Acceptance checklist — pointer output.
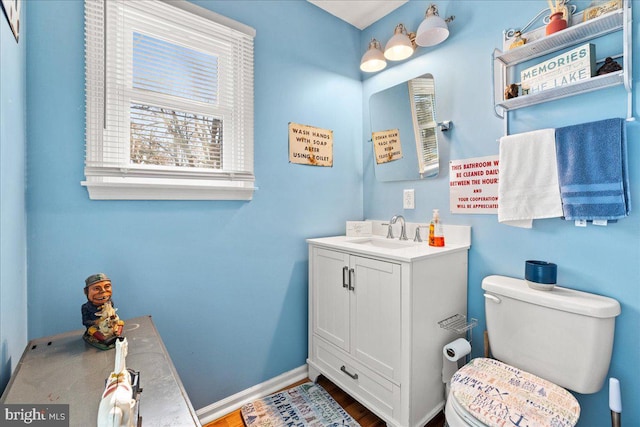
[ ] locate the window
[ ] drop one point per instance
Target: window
(169, 102)
(423, 92)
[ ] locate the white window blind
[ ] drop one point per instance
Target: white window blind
(169, 102)
(422, 93)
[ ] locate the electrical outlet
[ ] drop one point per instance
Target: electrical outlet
(408, 199)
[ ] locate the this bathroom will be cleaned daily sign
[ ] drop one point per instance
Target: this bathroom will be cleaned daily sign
(473, 185)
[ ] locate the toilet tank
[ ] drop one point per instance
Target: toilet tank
(562, 335)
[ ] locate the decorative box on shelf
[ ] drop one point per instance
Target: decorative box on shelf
(570, 67)
(600, 9)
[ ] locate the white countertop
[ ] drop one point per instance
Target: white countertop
(395, 249)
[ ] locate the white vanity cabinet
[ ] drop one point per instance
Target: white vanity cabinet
(364, 322)
(373, 322)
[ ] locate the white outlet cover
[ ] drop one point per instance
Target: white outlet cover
(408, 200)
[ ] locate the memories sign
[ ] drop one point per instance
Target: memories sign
(570, 67)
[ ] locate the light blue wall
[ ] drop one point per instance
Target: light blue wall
(602, 260)
(225, 282)
(13, 218)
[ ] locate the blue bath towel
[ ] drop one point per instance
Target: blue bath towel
(592, 170)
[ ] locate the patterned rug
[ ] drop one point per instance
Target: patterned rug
(305, 405)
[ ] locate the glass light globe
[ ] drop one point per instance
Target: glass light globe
(373, 59)
(399, 46)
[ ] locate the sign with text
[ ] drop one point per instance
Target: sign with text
(573, 66)
(473, 185)
(386, 145)
(310, 145)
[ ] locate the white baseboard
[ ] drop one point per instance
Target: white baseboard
(225, 406)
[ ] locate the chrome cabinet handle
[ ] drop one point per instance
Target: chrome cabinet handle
(344, 277)
(344, 369)
(352, 279)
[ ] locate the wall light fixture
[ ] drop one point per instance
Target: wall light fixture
(373, 59)
(432, 31)
(399, 46)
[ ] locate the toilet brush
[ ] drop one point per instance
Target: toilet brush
(615, 401)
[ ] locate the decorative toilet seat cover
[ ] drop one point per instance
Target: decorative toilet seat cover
(498, 394)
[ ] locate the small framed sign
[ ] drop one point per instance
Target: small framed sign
(386, 145)
(473, 185)
(310, 145)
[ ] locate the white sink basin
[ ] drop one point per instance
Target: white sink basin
(384, 243)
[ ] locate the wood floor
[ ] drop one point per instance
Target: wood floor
(361, 414)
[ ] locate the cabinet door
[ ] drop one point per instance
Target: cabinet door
(376, 322)
(331, 297)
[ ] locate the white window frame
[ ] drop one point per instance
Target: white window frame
(426, 132)
(108, 103)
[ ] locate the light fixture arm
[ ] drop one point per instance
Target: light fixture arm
(374, 44)
(401, 29)
(432, 10)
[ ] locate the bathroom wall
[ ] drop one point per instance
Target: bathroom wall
(13, 219)
(225, 282)
(602, 260)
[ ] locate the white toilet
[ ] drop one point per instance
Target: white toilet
(542, 341)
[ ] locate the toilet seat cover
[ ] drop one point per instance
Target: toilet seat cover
(498, 394)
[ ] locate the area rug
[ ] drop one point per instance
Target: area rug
(305, 405)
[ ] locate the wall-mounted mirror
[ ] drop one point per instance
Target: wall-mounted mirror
(403, 131)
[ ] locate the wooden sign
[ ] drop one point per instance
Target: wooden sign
(570, 67)
(473, 185)
(386, 145)
(600, 9)
(310, 145)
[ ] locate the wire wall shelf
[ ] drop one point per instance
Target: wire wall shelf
(458, 323)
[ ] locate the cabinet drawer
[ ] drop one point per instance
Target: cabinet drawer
(372, 390)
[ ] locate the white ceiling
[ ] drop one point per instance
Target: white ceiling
(359, 13)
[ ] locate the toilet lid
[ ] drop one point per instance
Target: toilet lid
(498, 394)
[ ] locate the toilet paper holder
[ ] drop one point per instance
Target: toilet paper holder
(458, 323)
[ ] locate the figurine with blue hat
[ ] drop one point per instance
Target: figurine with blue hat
(98, 314)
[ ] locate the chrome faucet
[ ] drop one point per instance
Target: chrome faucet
(403, 229)
(389, 231)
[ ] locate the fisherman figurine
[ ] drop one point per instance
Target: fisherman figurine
(98, 314)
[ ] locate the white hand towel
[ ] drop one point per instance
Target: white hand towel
(528, 178)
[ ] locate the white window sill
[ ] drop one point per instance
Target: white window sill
(169, 191)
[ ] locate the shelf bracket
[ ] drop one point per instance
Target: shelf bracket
(627, 52)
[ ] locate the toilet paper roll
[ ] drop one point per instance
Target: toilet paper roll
(457, 349)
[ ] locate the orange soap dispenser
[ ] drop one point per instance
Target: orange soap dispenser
(436, 234)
